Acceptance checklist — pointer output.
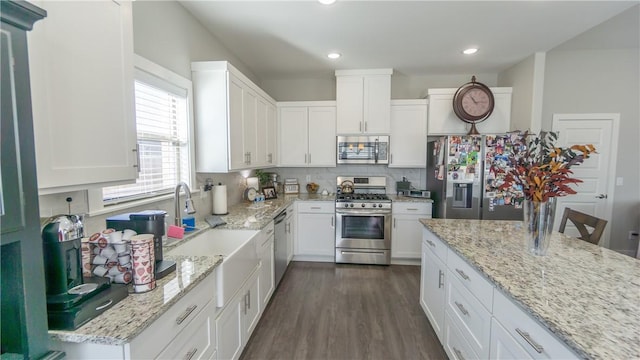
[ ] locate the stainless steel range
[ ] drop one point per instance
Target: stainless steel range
(363, 220)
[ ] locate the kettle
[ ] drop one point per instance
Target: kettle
(346, 187)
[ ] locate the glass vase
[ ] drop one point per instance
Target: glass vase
(538, 224)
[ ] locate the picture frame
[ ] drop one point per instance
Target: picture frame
(269, 192)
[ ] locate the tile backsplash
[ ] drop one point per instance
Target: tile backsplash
(236, 184)
(326, 177)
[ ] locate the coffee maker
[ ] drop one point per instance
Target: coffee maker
(72, 300)
(147, 222)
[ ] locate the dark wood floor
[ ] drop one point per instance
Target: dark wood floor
(329, 311)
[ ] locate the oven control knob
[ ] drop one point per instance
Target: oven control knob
(380, 205)
(363, 205)
(351, 205)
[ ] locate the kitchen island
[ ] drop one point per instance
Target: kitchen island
(586, 295)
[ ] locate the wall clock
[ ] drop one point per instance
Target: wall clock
(473, 102)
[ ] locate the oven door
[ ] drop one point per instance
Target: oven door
(363, 229)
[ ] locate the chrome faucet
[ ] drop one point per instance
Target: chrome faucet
(188, 206)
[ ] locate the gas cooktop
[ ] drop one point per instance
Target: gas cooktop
(362, 197)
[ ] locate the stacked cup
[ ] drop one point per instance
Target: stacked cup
(106, 254)
(143, 258)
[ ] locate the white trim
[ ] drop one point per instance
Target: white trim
(613, 157)
(537, 91)
(95, 204)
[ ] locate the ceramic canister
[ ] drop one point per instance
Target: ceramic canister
(143, 263)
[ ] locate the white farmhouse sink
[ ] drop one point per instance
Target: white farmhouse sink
(240, 257)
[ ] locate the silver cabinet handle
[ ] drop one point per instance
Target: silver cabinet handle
(440, 279)
(602, 196)
(464, 276)
(309, 158)
(186, 314)
(360, 126)
(394, 222)
(458, 353)
(412, 209)
(430, 243)
(316, 208)
(305, 158)
(137, 151)
(190, 354)
(390, 158)
(525, 335)
(270, 158)
(365, 126)
(332, 221)
(270, 231)
(245, 303)
(249, 298)
(462, 309)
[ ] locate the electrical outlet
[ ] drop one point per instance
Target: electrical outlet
(308, 178)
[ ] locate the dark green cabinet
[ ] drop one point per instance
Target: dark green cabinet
(23, 295)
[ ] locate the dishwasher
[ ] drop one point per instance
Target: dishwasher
(280, 246)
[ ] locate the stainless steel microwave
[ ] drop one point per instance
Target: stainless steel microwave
(363, 149)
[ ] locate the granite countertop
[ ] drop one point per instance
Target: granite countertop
(587, 295)
(123, 322)
(118, 325)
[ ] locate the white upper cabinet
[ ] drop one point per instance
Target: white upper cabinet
(307, 134)
(232, 117)
(408, 140)
(443, 121)
(81, 67)
(363, 101)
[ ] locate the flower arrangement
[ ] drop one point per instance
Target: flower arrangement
(541, 169)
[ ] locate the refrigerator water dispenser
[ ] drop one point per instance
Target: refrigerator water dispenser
(462, 195)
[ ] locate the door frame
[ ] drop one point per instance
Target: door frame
(614, 118)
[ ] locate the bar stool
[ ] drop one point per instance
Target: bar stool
(581, 221)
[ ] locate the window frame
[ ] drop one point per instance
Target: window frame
(95, 201)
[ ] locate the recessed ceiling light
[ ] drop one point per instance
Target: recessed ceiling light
(333, 55)
(470, 51)
(326, 2)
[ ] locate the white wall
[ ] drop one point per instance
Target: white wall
(598, 72)
(527, 79)
(167, 34)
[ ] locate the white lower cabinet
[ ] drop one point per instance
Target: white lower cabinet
(267, 275)
(537, 341)
(474, 319)
(503, 345)
(315, 237)
(456, 344)
(195, 342)
(406, 232)
(238, 320)
(289, 229)
(432, 288)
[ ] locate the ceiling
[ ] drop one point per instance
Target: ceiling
(290, 39)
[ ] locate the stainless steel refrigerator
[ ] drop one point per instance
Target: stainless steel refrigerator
(461, 180)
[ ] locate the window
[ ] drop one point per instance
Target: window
(162, 123)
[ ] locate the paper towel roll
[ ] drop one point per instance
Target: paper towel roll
(220, 199)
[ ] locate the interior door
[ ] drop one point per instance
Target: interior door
(595, 193)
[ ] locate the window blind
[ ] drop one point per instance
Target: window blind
(163, 142)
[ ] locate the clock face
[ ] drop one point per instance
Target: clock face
(476, 102)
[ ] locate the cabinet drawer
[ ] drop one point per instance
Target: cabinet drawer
(455, 344)
(435, 244)
(317, 207)
(477, 284)
(472, 319)
(529, 333)
(194, 342)
(420, 208)
(176, 318)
